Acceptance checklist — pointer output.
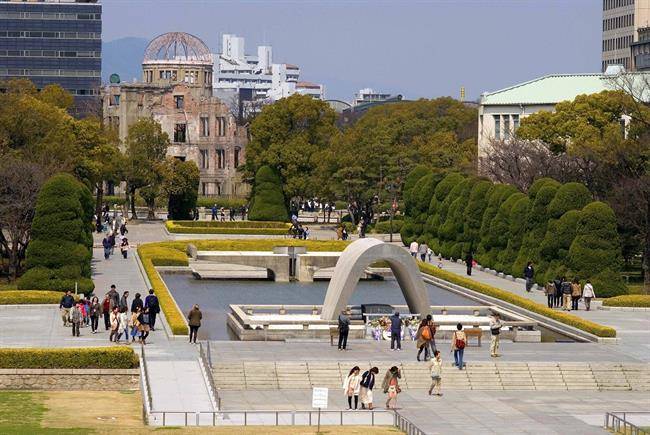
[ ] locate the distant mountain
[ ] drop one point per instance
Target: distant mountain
(124, 57)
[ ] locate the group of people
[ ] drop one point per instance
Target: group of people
(297, 231)
(219, 213)
(116, 238)
(420, 250)
(562, 293)
(341, 233)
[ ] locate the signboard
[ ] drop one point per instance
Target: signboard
(319, 398)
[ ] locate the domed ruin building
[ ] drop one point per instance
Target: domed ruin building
(176, 91)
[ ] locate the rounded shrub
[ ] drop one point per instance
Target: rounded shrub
(473, 213)
(538, 184)
(608, 284)
(569, 196)
(559, 236)
(442, 190)
(516, 233)
(268, 203)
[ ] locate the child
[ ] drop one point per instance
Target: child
(436, 373)
(440, 262)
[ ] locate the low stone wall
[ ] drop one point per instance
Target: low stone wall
(69, 379)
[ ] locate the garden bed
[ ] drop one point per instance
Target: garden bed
(69, 358)
(637, 301)
(235, 227)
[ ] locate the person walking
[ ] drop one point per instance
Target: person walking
(413, 249)
(352, 386)
(124, 248)
(114, 297)
(214, 212)
(134, 324)
(557, 297)
(588, 294)
(75, 317)
(65, 305)
(194, 321)
(391, 387)
(566, 294)
(469, 262)
(124, 305)
(115, 324)
(339, 232)
(137, 303)
(495, 331)
(152, 304)
(435, 367)
(106, 311)
(367, 384)
(529, 274)
(123, 327)
(433, 329)
(458, 343)
(143, 325)
(422, 251)
(123, 229)
(106, 244)
(576, 293)
(395, 332)
(95, 313)
(111, 241)
(549, 291)
(422, 338)
(124, 301)
(344, 329)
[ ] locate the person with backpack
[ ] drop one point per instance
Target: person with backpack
(65, 305)
(344, 329)
(495, 331)
(367, 384)
(436, 373)
(152, 304)
(422, 338)
(458, 343)
(352, 387)
(588, 294)
(143, 325)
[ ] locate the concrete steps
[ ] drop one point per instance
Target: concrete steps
(509, 376)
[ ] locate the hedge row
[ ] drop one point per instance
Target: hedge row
(642, 301)
(180, 228)
(568, 319)
(29, 297)
(231, 224)
(69, 358)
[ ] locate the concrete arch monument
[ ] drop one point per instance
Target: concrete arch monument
(351, 265)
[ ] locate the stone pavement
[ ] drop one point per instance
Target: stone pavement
(472, 412)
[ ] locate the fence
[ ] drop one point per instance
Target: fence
(206, 367)
(147, 404)
(618, 422)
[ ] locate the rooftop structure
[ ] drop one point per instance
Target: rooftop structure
(621, 20)
(640, 50)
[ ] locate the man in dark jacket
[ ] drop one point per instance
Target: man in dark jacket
(124, 300)
(557, 298)
(151, 302)
(114, 297)
(67, 301)
(566, 294)
(469, 262)
(137, 303)
(529, 274)
(344, 329)
(367, 384)
(395, 331)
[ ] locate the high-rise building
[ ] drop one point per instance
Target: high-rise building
(641, 50)
(54, 41)
(621, 21)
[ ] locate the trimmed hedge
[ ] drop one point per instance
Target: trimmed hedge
(384, 227)
(233, 224)
(238, 227)
(268, 203)
(642, 301)
(568, 319)
(29, 297)
(208, 202)
(69, 358)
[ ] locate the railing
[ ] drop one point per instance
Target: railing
(147, 403)
(618, 423)
(207, 369)
(406, 425)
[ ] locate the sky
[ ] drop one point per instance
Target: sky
(420, 49)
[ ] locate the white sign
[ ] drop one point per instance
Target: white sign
(319, 398)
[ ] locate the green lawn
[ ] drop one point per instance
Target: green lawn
(22, 413)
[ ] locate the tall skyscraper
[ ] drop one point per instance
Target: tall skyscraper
(54, 41)
(621, 21)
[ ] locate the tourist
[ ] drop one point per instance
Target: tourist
(344, 234)
(429, 254)
(432, 328)
(95, 312)
(106, 244)
(422, 251)
(395, 332)
(367, 384)
(124, 301)
(566, 294)
(588, 294)
(111, 240)
(123, 229)
(76, 316)
(458, 343)
(469, 262)
(344, 329)
(106, 311)
(134, 324)
(549, 291)
(143, 325)
(439, 262)
(152, 304)
(231, 214)
(222, 213)
(529, 275)
(123, 326)
(413, 249)
(557, 298)
(339, 232)
(194, 321)
(124, 248)
(66, 304)
(305, 233)
(435, 366)
(86, 311)
(214, 212)
(495, 330)
(576, 293)
(137, 303)
(114, 297)
(422, 338)
(115, 324)
(352, 386)
(391, 387)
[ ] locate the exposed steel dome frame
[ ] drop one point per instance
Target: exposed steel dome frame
(177, 46)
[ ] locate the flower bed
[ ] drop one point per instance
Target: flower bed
(69, 358)
(642, 301)
(568, 319)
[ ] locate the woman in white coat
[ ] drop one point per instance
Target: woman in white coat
(352, 386)
(588, 294)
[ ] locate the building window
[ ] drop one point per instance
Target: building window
(179, 101)
(179, 132)
(205, 126)
(515, 123)
(221, 126)
(205, 159)
(506, 127)
(204, 188)
(221, 159)
(497, 126)
(237, 152)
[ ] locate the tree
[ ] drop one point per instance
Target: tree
(473, 214)
(268, 202)
(451, 230)
(486, 255)
(554, 249)
(56, 96)
(181, 186)
(146, 149)
(435, 219)
(517, 220)
(499, 232)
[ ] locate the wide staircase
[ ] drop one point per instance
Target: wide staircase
(250, 375)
